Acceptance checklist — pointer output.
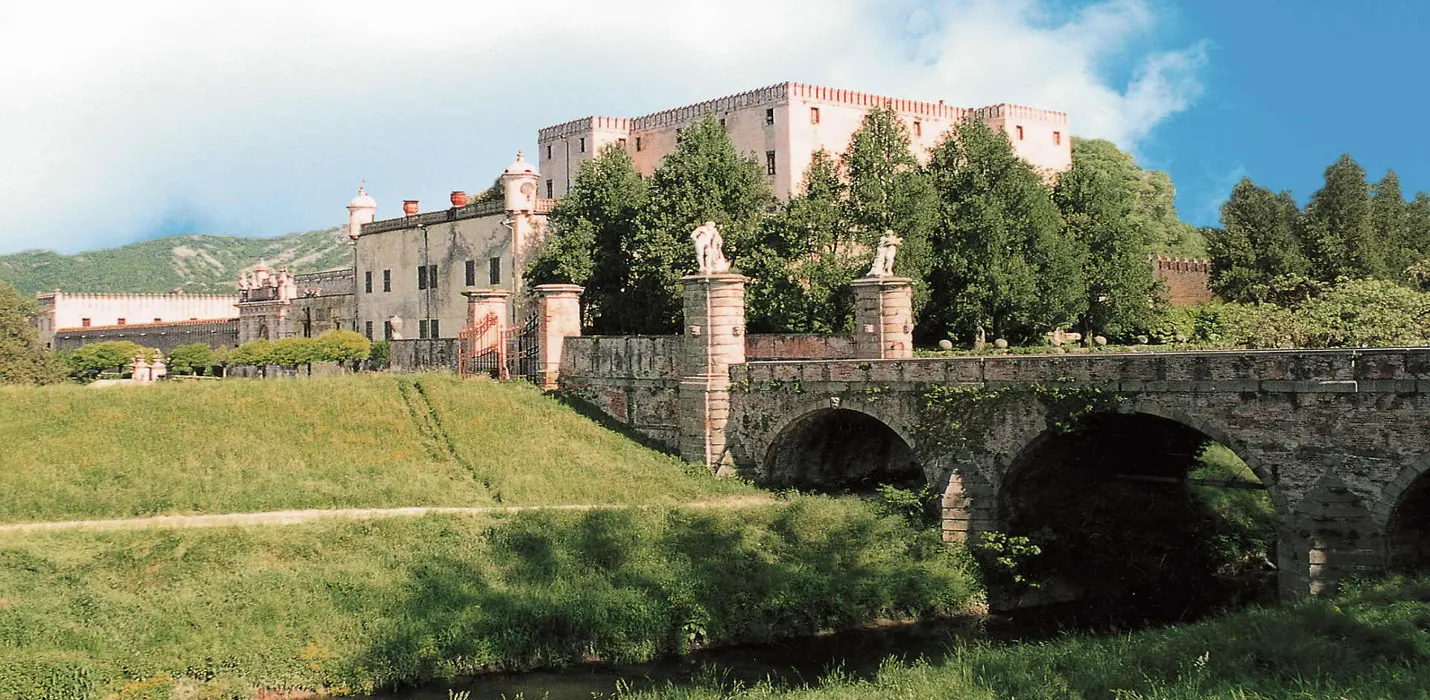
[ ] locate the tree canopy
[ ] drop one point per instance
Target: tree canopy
(22, 359)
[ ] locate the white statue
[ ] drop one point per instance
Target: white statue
(708, 254)
(884, 257)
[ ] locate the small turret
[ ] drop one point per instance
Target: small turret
(361, 210)
(519, 186)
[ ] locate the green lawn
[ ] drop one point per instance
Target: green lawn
(363, 441)
(353, 605)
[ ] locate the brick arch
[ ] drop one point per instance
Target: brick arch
(1390, 496)
(799, 417)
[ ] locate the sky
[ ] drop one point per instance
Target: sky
(121, 122)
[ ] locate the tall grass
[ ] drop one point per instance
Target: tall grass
(352, 606)
(1371, 643)
(233, 446)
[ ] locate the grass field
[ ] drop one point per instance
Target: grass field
(356, 605)
(363, 441)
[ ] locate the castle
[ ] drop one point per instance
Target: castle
(413, 276)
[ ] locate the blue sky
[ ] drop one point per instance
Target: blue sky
(126, 121)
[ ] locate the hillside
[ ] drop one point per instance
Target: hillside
(195, 263)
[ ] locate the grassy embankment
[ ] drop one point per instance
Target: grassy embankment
(357, 442)
(356, 605)
(1371, 643)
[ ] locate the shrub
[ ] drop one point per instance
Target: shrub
(379, 356)
(291, 352)
(193, 358)
(89, 361)
(255, 353)
(343, 346)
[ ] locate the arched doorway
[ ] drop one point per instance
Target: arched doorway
(1147, 515)
(839, 450)
(1408, 531)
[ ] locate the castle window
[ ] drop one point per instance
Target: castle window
(84, 323)
(548, 151)
(638, 144)
(120, 322)
(367, 281)
(432, 329)
(622, 143)
(471, 273)
(583, 144)
(918, 128)
(387, 280)
(158, 320)
(722, 122)
(432, 276)
(770, 115)
(770, 162)
(1020, 132)
(387, 330)
(494, 271)
(1057, 138)
(421, 276)
(367, 329)
(422, 329)
(549, 191)
(813, 115)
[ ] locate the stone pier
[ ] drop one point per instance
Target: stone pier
(714, 339)
(483, 302)
(883, 318)
(559, 311)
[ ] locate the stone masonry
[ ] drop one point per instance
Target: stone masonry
(883, 317)
(714, 341)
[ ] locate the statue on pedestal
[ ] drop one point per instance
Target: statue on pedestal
(884, 257)
(709, 253)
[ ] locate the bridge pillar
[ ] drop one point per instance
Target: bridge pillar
(883, 318)
(559, 311)
(714, 339)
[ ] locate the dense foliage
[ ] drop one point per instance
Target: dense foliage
(22, 360)
(116, 356)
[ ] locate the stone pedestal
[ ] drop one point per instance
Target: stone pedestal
(714, 339)
(883, 318)
(559, 310)
(483, 302)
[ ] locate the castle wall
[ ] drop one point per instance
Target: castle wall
(164, 336)
(633, 379)
(1187, 280)
(62, 311)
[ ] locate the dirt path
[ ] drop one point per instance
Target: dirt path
(293, 517)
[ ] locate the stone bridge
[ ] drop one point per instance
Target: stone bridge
(1339, 440)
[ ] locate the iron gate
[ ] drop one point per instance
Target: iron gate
(523, 351)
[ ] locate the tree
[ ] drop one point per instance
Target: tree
(704, 179)
(379, 355)
(1337, 231)
(292, 352)
(90, 360)
(22, 360)
(591, 228)
(1256, 255)
(343, 346)
(804, 260)
(192, 358)
(1002, 264)
(255, 353)
(1097, 200)
(1153, 208)
(1390, 220)
(888, 190)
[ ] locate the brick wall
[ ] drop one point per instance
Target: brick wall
(1187, 279)
(633, 379)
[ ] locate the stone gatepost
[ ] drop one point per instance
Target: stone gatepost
(559, 309)
(883, 318)
(482, 302)
(714, 339)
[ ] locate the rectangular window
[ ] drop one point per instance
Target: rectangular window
(367, 281)
(548, 151)
(471, 273)
(638, 144)
(549, 191)
(622, 143)
(432, 329)
(421, 276)
(158, 320)
(813, 115)
(387, 330)
(494, 271)
(432, 276)
(367, 329)
(722, 122)
(387, 280)
(1020, 133)
(770, 115)
(422, 329)
(918, 128)
(1057, 138)
(120, 322)
(770, 162)
(583, 144)
(84, 323)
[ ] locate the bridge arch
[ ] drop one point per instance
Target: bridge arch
(841, 448)
(1402, 515)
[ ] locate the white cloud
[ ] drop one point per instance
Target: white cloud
(258, 117)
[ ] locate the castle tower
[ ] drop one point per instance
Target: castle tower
(361, 210)
(519, 186)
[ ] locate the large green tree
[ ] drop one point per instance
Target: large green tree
(1098, 200)
(1337, 230)
(22, 360)
(1002, 264)
(1153, 209)
(806, 256)
(590, 242)
(1390, 221)
(1256, 255)
(888, 191)
(703, 179)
